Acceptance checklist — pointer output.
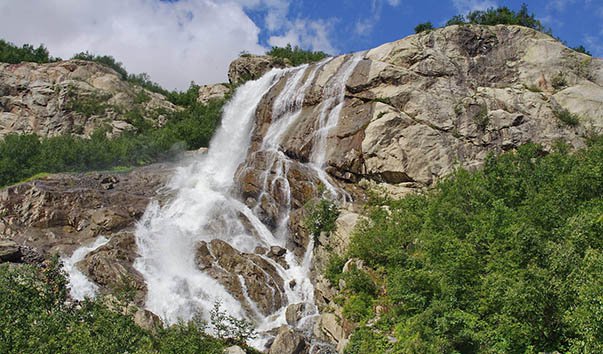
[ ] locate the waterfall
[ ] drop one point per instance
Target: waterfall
(204, 209)
(79, 286)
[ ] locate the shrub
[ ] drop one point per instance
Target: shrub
(10, 53)
(581, 49)
(37, 319)
(296, 55)
(567, 118)
(481, 119)
(500, 16)
(230, 328)
(505, 259)
(423, 27)
(321, 217)
(559, 81)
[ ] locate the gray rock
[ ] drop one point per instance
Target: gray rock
(289, 341)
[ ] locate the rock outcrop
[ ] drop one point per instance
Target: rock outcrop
(208, 93)
(72, 97)
(252, 67)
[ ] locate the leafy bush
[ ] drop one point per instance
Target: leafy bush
(422, 27)
(500, 16)
(10, 53)
(506, 259)
(567, 118)
(37, 319)
(231, 328)
(321, 216)
(296, 55)
(559, 81)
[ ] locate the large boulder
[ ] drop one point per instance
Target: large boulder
(288, 341)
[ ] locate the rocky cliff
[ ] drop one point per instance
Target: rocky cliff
(412, 112)
(71, 97)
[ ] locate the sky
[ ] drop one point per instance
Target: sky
(180, 41)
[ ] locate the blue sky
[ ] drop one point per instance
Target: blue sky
(179, 41)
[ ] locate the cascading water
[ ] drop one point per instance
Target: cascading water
(205, 209)
(79, 286)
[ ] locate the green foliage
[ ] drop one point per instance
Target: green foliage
(481, 119)
(106, 60)
(37, 319)
(296, 55)
(230, 328)
(10, 53)
(508, 259)
(422, 27)
(22, 156)
(567, 118)
(559, 81)
(583, 50)
(500, 16)
(321, 216)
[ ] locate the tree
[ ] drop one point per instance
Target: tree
(422, 27)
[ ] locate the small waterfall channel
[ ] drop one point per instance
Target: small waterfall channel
(205, 213)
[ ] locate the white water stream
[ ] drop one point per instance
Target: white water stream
(167, 236)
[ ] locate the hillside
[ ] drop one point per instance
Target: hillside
(302, 157)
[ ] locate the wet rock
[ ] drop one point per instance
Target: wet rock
(245, 275)
(111, 266)
(295, 312)
(289, 341)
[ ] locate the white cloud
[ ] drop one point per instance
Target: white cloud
(173, 42)
(464, 6)
(306, 33)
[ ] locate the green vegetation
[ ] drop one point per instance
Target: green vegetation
(37, 318)
(581, 49)
(559, 81)
(500, 16)
(321, 216)
(22, 156)
(422, 27)
(10, 53)
(567, 118)
(508, 259)
(481, 119)
(296, 55)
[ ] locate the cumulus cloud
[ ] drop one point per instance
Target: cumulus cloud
(173, 42)
(464, 6)
(306, 33)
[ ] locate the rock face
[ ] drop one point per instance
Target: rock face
(59, 213)
(208, 93)
(414, 110)
(252, 67)
(71, 97)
